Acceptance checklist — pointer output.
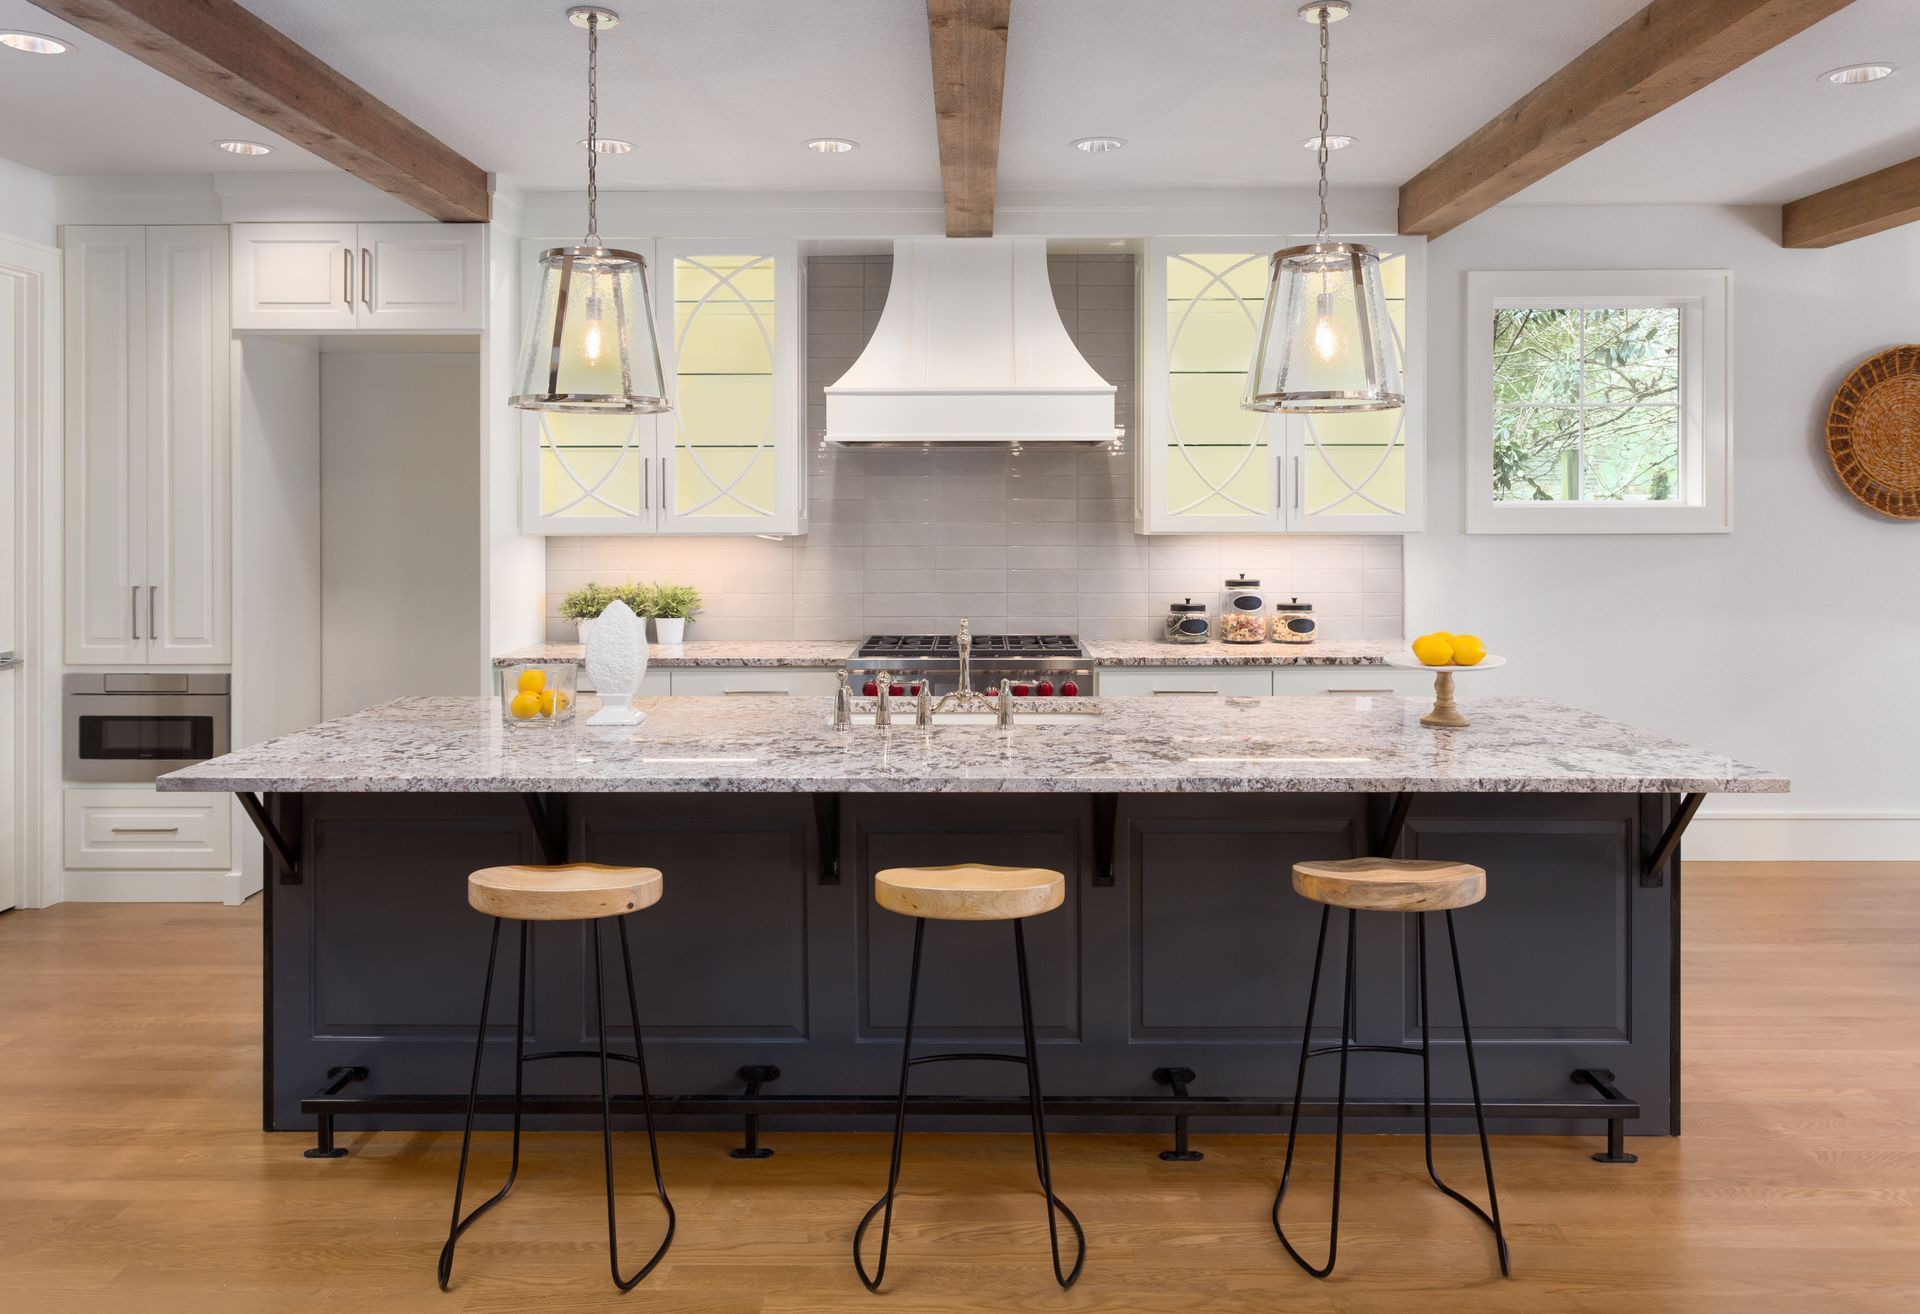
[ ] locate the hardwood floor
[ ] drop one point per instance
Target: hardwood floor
(130, 1178)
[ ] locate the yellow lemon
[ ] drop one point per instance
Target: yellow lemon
(1468, 650)
(1433, 650)
(564, 697)
(553, 700)
(525, 706)
(532, 681)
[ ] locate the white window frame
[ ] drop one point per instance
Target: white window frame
(1701, 296)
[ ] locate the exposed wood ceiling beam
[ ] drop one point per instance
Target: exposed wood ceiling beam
(1873, 204)
(969, 72)
(226, 54)
(1658, 57)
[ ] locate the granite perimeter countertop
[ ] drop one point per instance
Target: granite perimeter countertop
(1108, 652)
(1135, 745)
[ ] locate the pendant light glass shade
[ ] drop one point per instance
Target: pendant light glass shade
(591, 347)
(1326, 343)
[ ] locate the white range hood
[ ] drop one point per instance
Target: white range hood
(970, 351)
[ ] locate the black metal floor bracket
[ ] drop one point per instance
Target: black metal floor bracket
(1654, 875)
(284, 854)
(338, 1079)
(1177, 1078)
(755, 1077)
(1601, 1079)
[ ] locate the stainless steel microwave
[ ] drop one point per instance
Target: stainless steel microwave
(138, 725)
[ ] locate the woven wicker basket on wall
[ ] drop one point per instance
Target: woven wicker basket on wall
(1873, 432)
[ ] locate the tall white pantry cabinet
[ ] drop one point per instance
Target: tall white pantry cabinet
(148, 449)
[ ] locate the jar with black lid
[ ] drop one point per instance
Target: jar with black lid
(1187, 622)
(1293, 622)
(1242, 611)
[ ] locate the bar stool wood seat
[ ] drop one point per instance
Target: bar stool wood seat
(570, 892)
(969, 893)
(1390, 884)
(563, 892)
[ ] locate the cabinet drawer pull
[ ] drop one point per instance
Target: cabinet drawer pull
(1186, 691)
(135, 604)
(153, 631)
(757, 693)
(1364, 693)
(146, 830)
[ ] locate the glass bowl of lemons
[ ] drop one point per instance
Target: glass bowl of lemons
(537, 695)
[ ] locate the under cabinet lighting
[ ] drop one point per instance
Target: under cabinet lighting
(609, 145)
(1336, 141)
(244, 147)
(1098, 145)
(32, 43)
(830, 145)
(1854, 74)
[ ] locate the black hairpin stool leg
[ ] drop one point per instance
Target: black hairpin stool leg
(1340, 1110)
(872, 1280)
(606, 1111)
(1037, 1105)
(460, 1225)
(1473, 1077)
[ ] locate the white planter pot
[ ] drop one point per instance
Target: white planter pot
(671, 633)
(585, 626)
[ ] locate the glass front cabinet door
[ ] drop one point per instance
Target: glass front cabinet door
(1205, 465)
(728, 459)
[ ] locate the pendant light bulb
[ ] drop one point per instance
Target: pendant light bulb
(1325, 340)
(591, 346)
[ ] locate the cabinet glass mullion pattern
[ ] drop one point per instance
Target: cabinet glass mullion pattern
(1355, 464)
(725, 426)
(1217, 454)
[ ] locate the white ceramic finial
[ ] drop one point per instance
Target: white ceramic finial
(617, 662)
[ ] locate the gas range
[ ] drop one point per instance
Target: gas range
(1037, 665)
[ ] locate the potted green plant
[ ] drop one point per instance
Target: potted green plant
(671, 606)
(584, 605)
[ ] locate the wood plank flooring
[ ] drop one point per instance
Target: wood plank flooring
(131, 1178)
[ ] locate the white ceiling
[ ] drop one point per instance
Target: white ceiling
(94, 110)
(1208, 93)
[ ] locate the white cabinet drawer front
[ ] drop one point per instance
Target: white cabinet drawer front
(656, 683)
(1363, 681)
(137, 828)
(752, 681)
(1171, 681)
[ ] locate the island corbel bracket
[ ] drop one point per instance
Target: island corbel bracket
(549, 825)
(1654, 875)
(1389, 839)
(826, 836)
(1106, 808)
(285, 856)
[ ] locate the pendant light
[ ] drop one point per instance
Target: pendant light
(591, 348)
(1326, 344)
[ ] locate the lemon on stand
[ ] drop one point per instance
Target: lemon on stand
(1436, 649)
(1468, 650)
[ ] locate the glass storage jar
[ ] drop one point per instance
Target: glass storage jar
(537, 695)
(1243, 611)
(1187, 623)
(1293, 622)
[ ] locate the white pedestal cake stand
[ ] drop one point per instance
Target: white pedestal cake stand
(1445, 712)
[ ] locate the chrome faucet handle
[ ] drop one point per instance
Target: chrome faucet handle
(966, 659)
(923, 706)
(843, 704)
(1003, 706)
(883, 705)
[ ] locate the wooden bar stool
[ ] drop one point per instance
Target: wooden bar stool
(971, 894)
(1387, 885)
(581, 891)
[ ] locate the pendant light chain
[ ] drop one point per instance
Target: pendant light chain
(1321, 153)
(593, 131)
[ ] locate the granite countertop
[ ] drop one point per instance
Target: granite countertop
(1108, 652)
(1144, 745)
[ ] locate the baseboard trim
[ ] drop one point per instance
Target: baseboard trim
(228, 887)
(1804, 837)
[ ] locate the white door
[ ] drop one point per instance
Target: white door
(420, 276)
(295, 276)
(12, 326)
(106, 442)
(186, 573)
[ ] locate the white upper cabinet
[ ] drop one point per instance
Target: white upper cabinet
(1205, 465)
(148, 524)
(385, 277)
(729, 458)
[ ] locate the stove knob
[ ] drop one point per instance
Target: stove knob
(1021, 690)
(1069, 690)
(870, 690)
(1045, 689)
(896, 691)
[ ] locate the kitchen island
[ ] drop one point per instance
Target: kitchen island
(1171, 984)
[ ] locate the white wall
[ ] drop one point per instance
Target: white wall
(1792, 643)
(400, 519)
(26, 203)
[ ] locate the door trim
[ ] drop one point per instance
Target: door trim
(38, 561)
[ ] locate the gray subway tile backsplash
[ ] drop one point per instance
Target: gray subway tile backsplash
(914, 541)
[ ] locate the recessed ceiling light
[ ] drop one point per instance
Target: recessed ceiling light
(1336, 141)
(32, 43)
(244, 147)
(1099, 145)
(610, 145)
(830, 145)
(1854, 74)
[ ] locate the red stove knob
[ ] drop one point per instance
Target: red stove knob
(1021, 690)
(1069, 690)
(1045, 689)
(896, 691)
(871, 689)
(913, 690)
